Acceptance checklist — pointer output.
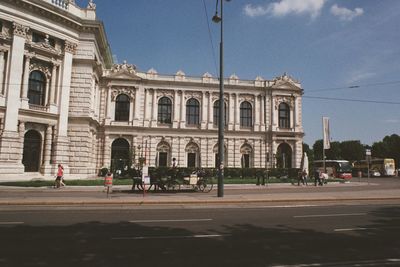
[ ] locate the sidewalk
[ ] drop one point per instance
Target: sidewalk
(94, 195)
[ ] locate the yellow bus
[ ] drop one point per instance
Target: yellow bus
(377, 167)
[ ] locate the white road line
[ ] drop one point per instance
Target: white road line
(10, 223)
(289, 206)
(329, 215)
(164, 237)
(352, 229)
(171, 220)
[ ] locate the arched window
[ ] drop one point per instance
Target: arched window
(216, 113)
(192, 112)
(284, 115)
(122, 105)
(37, 86)
(164, 110)
(246, 114)
(247, 153)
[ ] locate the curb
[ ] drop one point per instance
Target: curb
(175, 202)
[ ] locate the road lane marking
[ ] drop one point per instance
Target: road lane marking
(10, 223)
(165, 237)
(352, 229)
(330, 215)
(171, 220)
(289, 206)
(378, 262)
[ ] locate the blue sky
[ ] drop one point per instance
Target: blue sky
(329, 45)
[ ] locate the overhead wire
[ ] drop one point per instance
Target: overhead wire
(210, 36)
(354, 86)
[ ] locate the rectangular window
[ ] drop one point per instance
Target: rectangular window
(245, 161)
(162, 159)
(191, 160)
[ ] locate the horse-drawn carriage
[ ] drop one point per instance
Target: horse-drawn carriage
(174, 179)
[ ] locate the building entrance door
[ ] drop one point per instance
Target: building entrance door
(32, 149)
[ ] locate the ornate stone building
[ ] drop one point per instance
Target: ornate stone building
(63, 100)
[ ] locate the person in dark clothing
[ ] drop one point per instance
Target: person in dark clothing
(317, 178)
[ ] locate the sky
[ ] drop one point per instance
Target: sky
(345, 53)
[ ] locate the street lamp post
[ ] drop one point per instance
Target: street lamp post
(221, 121)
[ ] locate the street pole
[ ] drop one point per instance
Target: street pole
(221, 122)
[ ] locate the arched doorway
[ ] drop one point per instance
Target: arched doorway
(32, 151)
(163, 154)
(284, 156)
(193, 155)
(120, 160)
(247, 156)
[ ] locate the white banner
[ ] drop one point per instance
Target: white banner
(326, 135)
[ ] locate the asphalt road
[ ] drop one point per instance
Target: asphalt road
(232, 235)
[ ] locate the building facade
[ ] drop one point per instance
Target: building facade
(63, 100)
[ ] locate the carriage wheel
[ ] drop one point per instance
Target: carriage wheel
(205, 186)
(174, 186)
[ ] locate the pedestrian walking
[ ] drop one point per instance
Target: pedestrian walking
(59, 179)
(304, 177)
(317, 177)
(108, 182)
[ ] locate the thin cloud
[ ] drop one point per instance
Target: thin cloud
(391, 121)
(285, 8)
(360, 76)
(345, 14)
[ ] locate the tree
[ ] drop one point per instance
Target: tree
(389, 147)
(332, 153)
(352, 150)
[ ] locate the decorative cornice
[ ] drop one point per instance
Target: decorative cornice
(284, 99)
(70, 47)
(20, 30)
(195, 95)
(116, 92)
(40, 67)
(246, 97)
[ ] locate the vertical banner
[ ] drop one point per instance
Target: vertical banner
(326, 135)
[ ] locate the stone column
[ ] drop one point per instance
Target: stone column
(25, 83)
(45, 168)
(257, 112)
(147, 110)
(61, 143)
(155, 110)
(210, 112)
(10, 147)
(237, 113)
(52, 100)
(108, 104)
(138, 97)
(175, 120)
(2, 68)
(203, 110)
(183, 110)
(231, 112)
(46, 92)
(262, 110)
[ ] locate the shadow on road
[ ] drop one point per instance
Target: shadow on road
(127, 244)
